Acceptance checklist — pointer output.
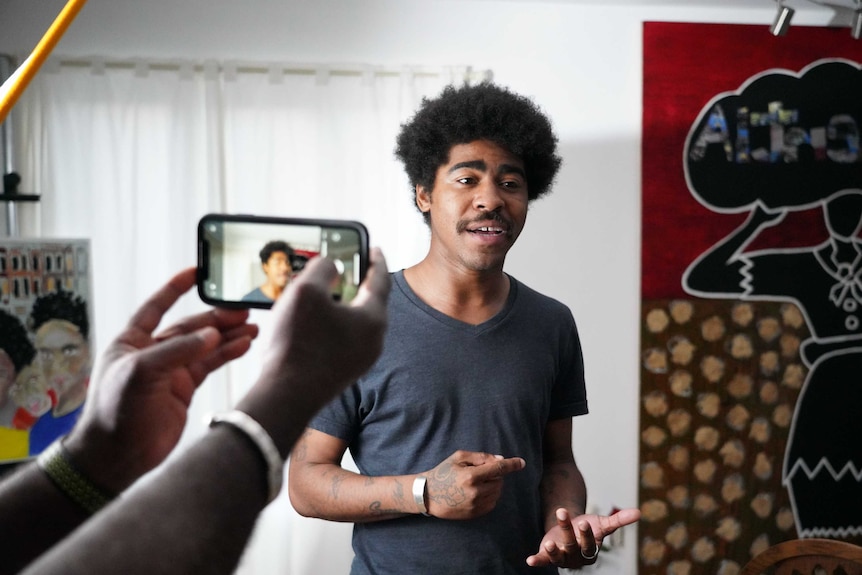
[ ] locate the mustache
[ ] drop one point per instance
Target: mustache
(485, 217)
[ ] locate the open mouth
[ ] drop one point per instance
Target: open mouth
(488, 230)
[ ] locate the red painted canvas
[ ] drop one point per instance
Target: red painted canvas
(751, 292)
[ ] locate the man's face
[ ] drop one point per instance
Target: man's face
(64, 358)
(478, 205)
(277, 269)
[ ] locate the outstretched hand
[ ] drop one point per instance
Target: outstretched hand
(139, 398)
(575, 542)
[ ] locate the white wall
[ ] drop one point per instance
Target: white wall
(580, 60)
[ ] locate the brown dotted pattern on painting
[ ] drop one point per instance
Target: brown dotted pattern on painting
(719, 382)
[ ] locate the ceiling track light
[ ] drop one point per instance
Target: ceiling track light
(782, 19)
(856, 24)
(842, 8)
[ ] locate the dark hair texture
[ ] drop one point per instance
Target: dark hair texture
(481, 112)
(60, 305)
(276, 246)
(15, 341)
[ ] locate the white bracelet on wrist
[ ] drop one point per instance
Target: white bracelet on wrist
(262, 440)
(419, 488)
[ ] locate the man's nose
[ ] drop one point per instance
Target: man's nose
(488, 196)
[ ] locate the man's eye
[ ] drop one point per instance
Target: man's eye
(511, 184)
(466, 180)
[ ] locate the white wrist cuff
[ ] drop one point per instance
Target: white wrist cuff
(259, 436)
(419, 487)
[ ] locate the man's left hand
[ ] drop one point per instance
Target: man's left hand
(575, 542)
(140, 395)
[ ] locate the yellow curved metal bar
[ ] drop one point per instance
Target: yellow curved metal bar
(15, 85)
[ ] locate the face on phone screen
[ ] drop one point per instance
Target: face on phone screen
(250, 261)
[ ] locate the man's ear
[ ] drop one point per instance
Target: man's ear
(423, 199)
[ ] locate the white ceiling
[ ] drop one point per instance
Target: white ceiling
(753, 4)
(195, 24)
(842, 7)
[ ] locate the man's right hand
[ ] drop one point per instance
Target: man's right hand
(467, 484)
(320, 347)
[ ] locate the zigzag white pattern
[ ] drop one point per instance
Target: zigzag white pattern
(824, 464)
(832, 532)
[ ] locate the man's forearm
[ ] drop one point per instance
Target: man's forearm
(26, 499)
(562, 486)
(327, 491)
(194, 517)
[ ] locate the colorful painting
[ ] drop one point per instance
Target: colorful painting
(45, 342)
(751, 293)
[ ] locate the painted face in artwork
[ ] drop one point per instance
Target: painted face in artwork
(63, 356)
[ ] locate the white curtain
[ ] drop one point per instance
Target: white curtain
(132, 154)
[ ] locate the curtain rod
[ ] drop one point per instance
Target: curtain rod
(245, 67)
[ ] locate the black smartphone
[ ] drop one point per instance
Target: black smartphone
(248, 261)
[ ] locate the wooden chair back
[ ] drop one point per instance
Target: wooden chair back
(807, 557)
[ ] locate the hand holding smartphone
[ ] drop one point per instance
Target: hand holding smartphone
(247, 261)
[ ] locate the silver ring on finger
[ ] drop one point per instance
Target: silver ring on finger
(591, 557)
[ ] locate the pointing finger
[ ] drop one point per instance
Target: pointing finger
(619, 519)
(500, 467)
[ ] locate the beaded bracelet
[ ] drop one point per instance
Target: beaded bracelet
(57, 464)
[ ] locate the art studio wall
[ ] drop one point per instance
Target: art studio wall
(581, 61)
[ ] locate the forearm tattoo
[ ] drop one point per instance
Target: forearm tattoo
(300, 450)
(337, 479)
(377, 508)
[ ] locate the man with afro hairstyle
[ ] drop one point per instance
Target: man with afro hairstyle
(462, 430)
(276, 261)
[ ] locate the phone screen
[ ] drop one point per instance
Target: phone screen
(248, 261)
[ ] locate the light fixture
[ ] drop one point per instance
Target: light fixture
(850, 9)
(856, 24)
(782, 19)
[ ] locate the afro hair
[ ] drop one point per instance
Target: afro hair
(481, 112)
(60, 305)
(276, 246)
(14, 340)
